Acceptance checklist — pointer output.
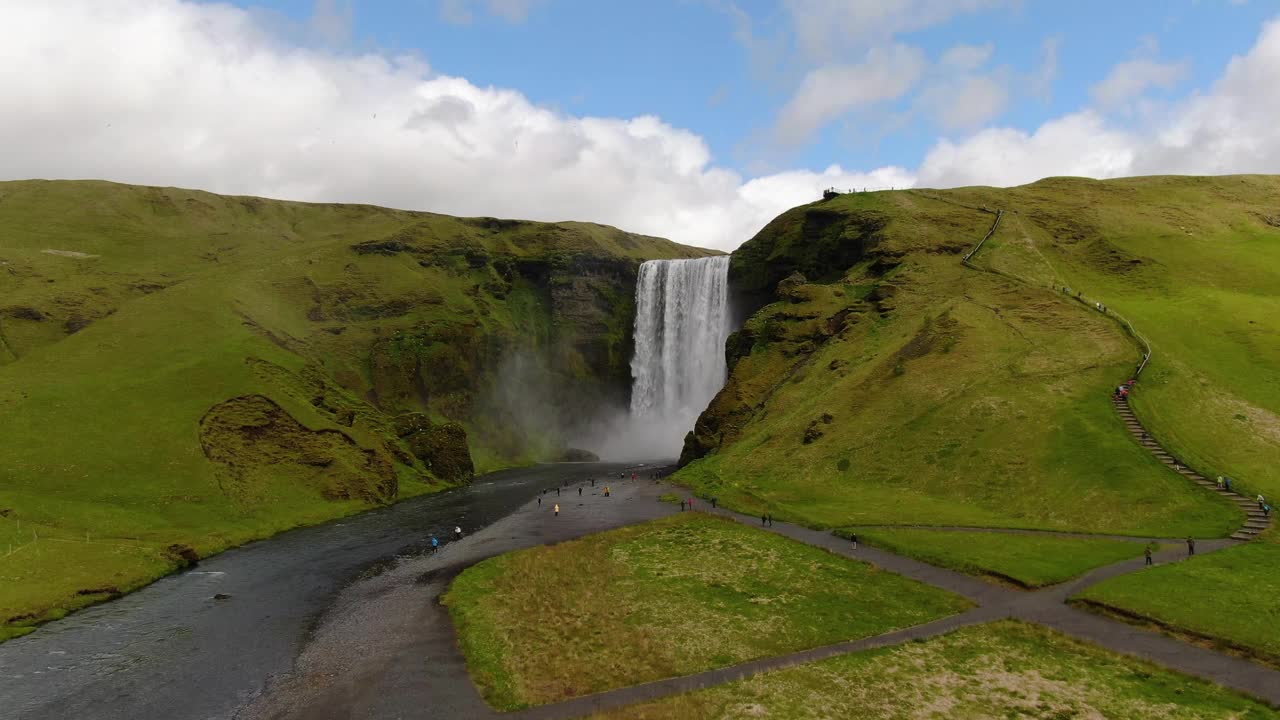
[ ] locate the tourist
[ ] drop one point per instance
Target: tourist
(1221, 485)
(457, 532)
(556, 509)
(764, 519)
(690, 503)
(713, 502)
(682, 506)
(1261, 501)
(1227, 479)
(557, 492)
(854, 539)
(539, 501)
(593, 482)
(1147, 552)
(770, 519)
(435, 545)
(579, 491)
(1191, 546)
(606, 491)
(1266, 511)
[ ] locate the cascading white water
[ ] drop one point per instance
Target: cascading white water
(682, 322)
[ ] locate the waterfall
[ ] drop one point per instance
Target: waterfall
(681, 324)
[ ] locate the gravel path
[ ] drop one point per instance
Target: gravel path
(387, 649)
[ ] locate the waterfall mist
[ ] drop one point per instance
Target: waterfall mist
(681, 324)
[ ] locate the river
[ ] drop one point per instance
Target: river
(171, 650)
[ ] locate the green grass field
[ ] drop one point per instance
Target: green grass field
(128, 313)
(1005, 669)
(909, 389)
(1230, 596)
(662, 599)
(1029, 561)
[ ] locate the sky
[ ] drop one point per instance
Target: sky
(697, 120)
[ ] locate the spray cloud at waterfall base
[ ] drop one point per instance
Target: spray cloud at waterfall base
(681, 324)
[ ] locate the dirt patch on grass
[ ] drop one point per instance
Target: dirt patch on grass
(256, 442)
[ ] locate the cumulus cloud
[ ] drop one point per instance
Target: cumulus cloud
(168, 92)
(1230, 128)
(174, 93)
(833, 90)
(1128, 80)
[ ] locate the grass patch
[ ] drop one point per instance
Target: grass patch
(1027, 560)
(1229, 596)
(666, 598)
(1005, 669)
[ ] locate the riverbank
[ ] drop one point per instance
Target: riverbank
(385, 643)
(203, 642)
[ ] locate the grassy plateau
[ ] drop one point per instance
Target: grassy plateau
(1001, 670)
(666, 598)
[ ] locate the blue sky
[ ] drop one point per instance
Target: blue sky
(698, 120)
(680, 60)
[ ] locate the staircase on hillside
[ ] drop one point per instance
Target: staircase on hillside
(1255, 521)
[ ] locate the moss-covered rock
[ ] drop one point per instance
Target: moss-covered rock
(442, 448)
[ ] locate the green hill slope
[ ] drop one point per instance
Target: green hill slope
(890, 384)
(181, 371)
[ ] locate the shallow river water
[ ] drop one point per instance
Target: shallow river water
(171, 650)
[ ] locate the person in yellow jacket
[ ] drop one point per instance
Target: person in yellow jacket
(557, 509)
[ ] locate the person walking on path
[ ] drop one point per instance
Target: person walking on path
(764, 519)
(557, 492)
(556, 509)
(435, 545)
(690, 503)
(1191, 546)
(1147, 552)
(1227, 479)
(1221, 485)
(713, 502)
(579, 491)
(593, 482)
(1266, 511)
(682, 505)
(539, 501)
(854, 540)
(770, 516)
(1261, 501)
(457, 532)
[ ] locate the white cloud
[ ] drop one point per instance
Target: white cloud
(172, 93)
(1231, 128)
(1128, 80)
(463, 12)
(1078, 144)
(823, 27)
(966, 102)
(200, 95)
(961, 96)
(966, 58)
(833, 90)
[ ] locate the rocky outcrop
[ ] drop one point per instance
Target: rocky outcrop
(442, 448)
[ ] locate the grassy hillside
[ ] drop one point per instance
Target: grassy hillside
(887, 383)
(181, 371)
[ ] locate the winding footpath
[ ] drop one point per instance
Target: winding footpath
(1255, 520)
(387, 648)
(399, 656)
